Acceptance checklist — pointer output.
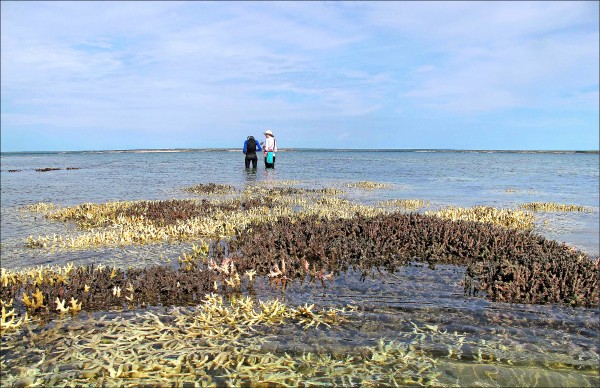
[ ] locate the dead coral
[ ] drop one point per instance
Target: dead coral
(210, 188)
(101, 288)
(508, 218)
(554, 207)
(543, 271)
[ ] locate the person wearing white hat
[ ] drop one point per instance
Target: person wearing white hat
(269, 149)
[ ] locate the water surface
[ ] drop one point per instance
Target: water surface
(478, 342)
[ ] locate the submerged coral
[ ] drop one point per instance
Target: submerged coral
(217, 343)
(505, 217)
(554, 207)
(210, 188)
(368, 185)
(406, 204)
(510, 265)
(46, 169)
(289, 233)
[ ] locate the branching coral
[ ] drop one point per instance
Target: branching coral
(505, 217)
(554, 207)
(210, 188)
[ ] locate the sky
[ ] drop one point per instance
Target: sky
(361, 74)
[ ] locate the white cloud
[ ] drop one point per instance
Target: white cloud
(187, 65)
(497, 55)
(475, 22)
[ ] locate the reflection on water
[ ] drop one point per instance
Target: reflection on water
(250, 175)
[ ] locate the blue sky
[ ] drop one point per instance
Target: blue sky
(464, 75)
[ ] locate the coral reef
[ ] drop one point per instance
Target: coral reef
(405, 204)
(367, 185)
(215, 343)
(507, 264)
(505, 217)
(209, 188)
(286, 234)
(554, 207)
(46, 169)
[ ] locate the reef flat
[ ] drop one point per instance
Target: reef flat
(208, 329)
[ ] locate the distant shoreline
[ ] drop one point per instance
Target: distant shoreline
(417, 150)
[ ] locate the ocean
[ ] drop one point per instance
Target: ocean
(460, 178)
(535, 338)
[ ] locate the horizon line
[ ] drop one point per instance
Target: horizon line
(309, 149)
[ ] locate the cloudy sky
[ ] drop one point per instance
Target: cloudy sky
(465, 75)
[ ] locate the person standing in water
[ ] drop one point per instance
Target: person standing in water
(269, 149)
(250, 148)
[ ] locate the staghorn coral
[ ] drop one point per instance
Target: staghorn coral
(367, 185)
(554, 207)
(503, 264)
(563, 279)
(46, 169)
(210, 188)
(505, 217)
(406, 204)
(41, 207)
(289, 233)
(216, 343)
(317, 246)
(99, 288)
(278, 183)
(142, 222)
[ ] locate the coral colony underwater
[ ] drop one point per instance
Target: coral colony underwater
(267, 291)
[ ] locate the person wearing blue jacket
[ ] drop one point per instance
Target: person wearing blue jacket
(250, 148)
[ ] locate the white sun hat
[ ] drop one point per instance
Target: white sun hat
(268, 132)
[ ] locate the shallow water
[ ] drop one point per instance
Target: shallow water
(443, 178)
(475, 342)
